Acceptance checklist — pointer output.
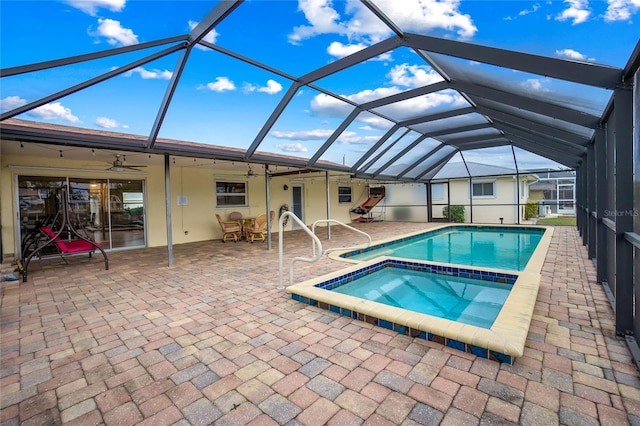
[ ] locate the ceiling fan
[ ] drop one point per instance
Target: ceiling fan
(119, 165)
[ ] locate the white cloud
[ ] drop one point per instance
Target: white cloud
(210, 37)
(351, 138)
(221, 84)
(422, 105)
(363, 27)
(423, 16)
(535, 85)
(621, 10)
(271, 88)
(322, 17)
(370, 95)
(109, 123)
(326, 106)
(305, 135)
(115, 33)
(533, 9)
(524, 12)
(292, 147)
(573, 54)
(578, 12)
(11, 102)
(91, 6)
(413, 75)
(150, 74)
(340, 50)
(403, 75)
(54, 111)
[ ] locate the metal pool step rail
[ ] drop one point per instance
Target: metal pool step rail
(316, 242)
(313, 229)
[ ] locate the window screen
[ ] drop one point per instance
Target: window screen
(484, 189)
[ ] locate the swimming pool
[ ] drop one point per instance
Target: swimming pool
(475, 301)
(502, 341)
(502, 247)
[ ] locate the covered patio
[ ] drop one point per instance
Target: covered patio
(213, 341)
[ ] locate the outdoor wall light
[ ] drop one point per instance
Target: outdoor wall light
(285, 187)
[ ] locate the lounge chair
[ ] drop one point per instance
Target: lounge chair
(258, 229)
(230, 229)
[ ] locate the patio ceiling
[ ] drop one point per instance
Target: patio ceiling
(488, 112)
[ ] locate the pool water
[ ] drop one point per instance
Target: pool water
(466, 300)
(502, 248)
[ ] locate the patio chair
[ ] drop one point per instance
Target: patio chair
(230, 229)
(258, 229)
(237, 216)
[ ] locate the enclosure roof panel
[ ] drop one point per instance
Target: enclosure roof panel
(327, 85)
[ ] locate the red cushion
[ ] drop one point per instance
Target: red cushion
(75, 246)
(70, 246)
(48, 231)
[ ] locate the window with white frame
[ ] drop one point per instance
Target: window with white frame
(231, 194)
(344, 194)
(484, 189)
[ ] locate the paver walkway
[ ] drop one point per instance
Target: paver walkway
(212, 341)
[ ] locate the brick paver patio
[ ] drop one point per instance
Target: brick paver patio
(213, 341)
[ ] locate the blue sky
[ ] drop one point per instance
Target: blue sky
(223, 101)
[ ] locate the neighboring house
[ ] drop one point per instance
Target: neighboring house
(492, 196)
(557, 190)
(495, 195)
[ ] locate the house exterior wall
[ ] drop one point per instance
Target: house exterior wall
(197, 218)
(486, 209)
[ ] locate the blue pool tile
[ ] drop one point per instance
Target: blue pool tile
(400, 329)
(385, 324)
(456, 344)
(497, 356)
(478, 351)
(334, 308)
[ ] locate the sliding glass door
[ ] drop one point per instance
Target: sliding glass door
(110, 211)
(126, 213)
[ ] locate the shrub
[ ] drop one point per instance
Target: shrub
(531, 210)
(457, 213)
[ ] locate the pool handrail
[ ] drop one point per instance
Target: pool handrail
(313, 229)
(306, 229)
